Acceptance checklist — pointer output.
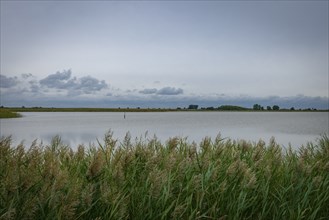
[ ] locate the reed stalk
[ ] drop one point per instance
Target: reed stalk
(147, 179)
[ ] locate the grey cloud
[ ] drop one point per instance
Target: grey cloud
(26, 75)
(130, 91)
(75, 86)
(89, 84)
(7, 82)
(58, 80)
(170, 91)
(34, 86)
(163, 91)
(148, 91)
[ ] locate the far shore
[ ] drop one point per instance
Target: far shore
(13, 112)
(208, 109)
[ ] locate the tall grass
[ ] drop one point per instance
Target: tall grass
(5, 113)
(145, 179)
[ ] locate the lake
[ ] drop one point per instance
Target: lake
(75, 128)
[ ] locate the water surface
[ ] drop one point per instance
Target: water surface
(75, 128)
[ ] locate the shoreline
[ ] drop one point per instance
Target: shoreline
(41, 109)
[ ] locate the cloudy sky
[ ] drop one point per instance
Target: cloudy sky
(164, 53)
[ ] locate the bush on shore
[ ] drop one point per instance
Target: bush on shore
(4, 113)
(145, 179)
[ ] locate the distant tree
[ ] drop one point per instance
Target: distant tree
(23, 106)
(276, 108)
(231, 108)
(268, 108)
(257, 107)
(292, 109)
(193, 107)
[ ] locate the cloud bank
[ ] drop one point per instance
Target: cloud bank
(74, 86)
(163, 91)
(63, 89)
(7, 82)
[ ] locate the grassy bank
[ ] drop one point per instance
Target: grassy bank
(144, 179)
(91, 109)
(5, 113)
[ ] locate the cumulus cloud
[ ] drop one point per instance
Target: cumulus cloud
(8, 82)
(59, 80)
(63, 89)
(34, 86)
(170, 91)
(75, 86)
(89, 84)
(148, 91)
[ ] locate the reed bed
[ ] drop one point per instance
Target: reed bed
(5, 113)
(147, 179)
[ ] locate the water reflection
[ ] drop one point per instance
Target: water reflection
(84, 128)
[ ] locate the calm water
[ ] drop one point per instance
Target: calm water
(296, 128)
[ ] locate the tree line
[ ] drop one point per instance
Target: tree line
(268, 108)
(255, 107)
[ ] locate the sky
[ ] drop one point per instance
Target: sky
(164, 53)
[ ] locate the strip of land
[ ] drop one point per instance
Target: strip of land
(6, 113)
(221, 108)
(12, 112)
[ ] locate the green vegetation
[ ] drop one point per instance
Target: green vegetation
(39, 109)
(232, 108)
(5, 113)
(144, 179)
(257, 107)
(276, 108)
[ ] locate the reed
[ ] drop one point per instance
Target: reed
(5, 113)
(147, 179)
